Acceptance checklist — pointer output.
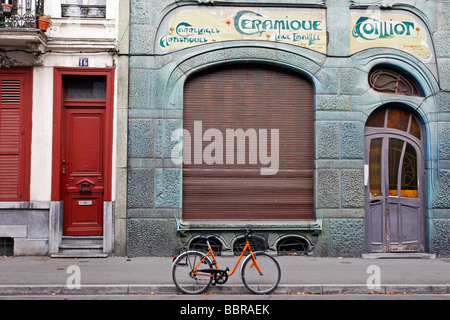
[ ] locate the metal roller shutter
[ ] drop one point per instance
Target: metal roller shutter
(250, 97)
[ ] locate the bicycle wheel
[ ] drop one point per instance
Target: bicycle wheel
(261, 283)
(184, 277)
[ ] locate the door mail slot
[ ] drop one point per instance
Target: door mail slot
(85, 203)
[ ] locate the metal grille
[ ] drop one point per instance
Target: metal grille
(20, 13)
(6, 246)
(201, 245)
(83, 11)
(257, 242)
(292, 247)
(392, 81)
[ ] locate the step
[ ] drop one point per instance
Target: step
(81, 247)
(80, 252)
(83, 241)
(80, 255)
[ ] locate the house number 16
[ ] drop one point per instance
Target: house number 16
(83, 62)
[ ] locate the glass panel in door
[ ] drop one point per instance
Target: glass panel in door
(395, 154)
(375, 167)
(410, 183)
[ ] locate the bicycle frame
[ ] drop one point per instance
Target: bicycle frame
(214, 261)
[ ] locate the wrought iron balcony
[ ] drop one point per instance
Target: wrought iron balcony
(20, 13)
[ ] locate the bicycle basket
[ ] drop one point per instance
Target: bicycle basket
(259, 243)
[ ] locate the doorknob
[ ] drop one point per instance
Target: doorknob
(85, 185)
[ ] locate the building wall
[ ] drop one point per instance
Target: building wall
(34, 224)
(150, 218)
(438, 215)
(147, 185)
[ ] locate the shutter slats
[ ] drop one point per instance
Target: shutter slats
(251, 97)
(10, 92)
(9, 130)
(9, 176)
(10, 138)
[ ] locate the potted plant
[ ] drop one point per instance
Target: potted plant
(7, 9)
(44, 21)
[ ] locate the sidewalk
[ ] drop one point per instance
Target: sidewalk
(152, 275)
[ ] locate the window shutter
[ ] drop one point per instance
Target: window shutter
(251, 97)
(10, 138)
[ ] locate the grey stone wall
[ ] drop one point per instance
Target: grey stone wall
(440, 213)
(28, 224)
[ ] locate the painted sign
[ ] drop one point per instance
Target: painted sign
(399, 30)
(187, 26)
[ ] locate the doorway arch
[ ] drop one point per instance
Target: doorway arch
(394, 162)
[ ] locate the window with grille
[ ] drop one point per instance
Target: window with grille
(393, 81)
(84, 8)
(6, 247)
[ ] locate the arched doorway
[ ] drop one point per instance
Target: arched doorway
(395, 181)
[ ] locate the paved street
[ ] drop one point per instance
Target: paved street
(309, 276)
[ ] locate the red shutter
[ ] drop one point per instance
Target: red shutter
(251, 97)
(14, 135)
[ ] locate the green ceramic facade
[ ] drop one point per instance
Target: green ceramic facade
(149, 209)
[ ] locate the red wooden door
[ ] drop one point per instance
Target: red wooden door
(83, 171)
(82, 147)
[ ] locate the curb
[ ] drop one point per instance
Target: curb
(148, 289)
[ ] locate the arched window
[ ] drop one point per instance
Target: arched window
(388, 80)
(395, 117)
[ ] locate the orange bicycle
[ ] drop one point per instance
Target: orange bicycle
(194, 271)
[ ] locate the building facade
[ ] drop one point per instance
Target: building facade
(57, 127)
(132, 127)
(321, 124)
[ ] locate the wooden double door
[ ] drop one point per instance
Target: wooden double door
(395, 182)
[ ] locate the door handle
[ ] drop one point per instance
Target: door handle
(85, 185)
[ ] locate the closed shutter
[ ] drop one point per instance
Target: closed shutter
(13, 128)
(250, 97)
